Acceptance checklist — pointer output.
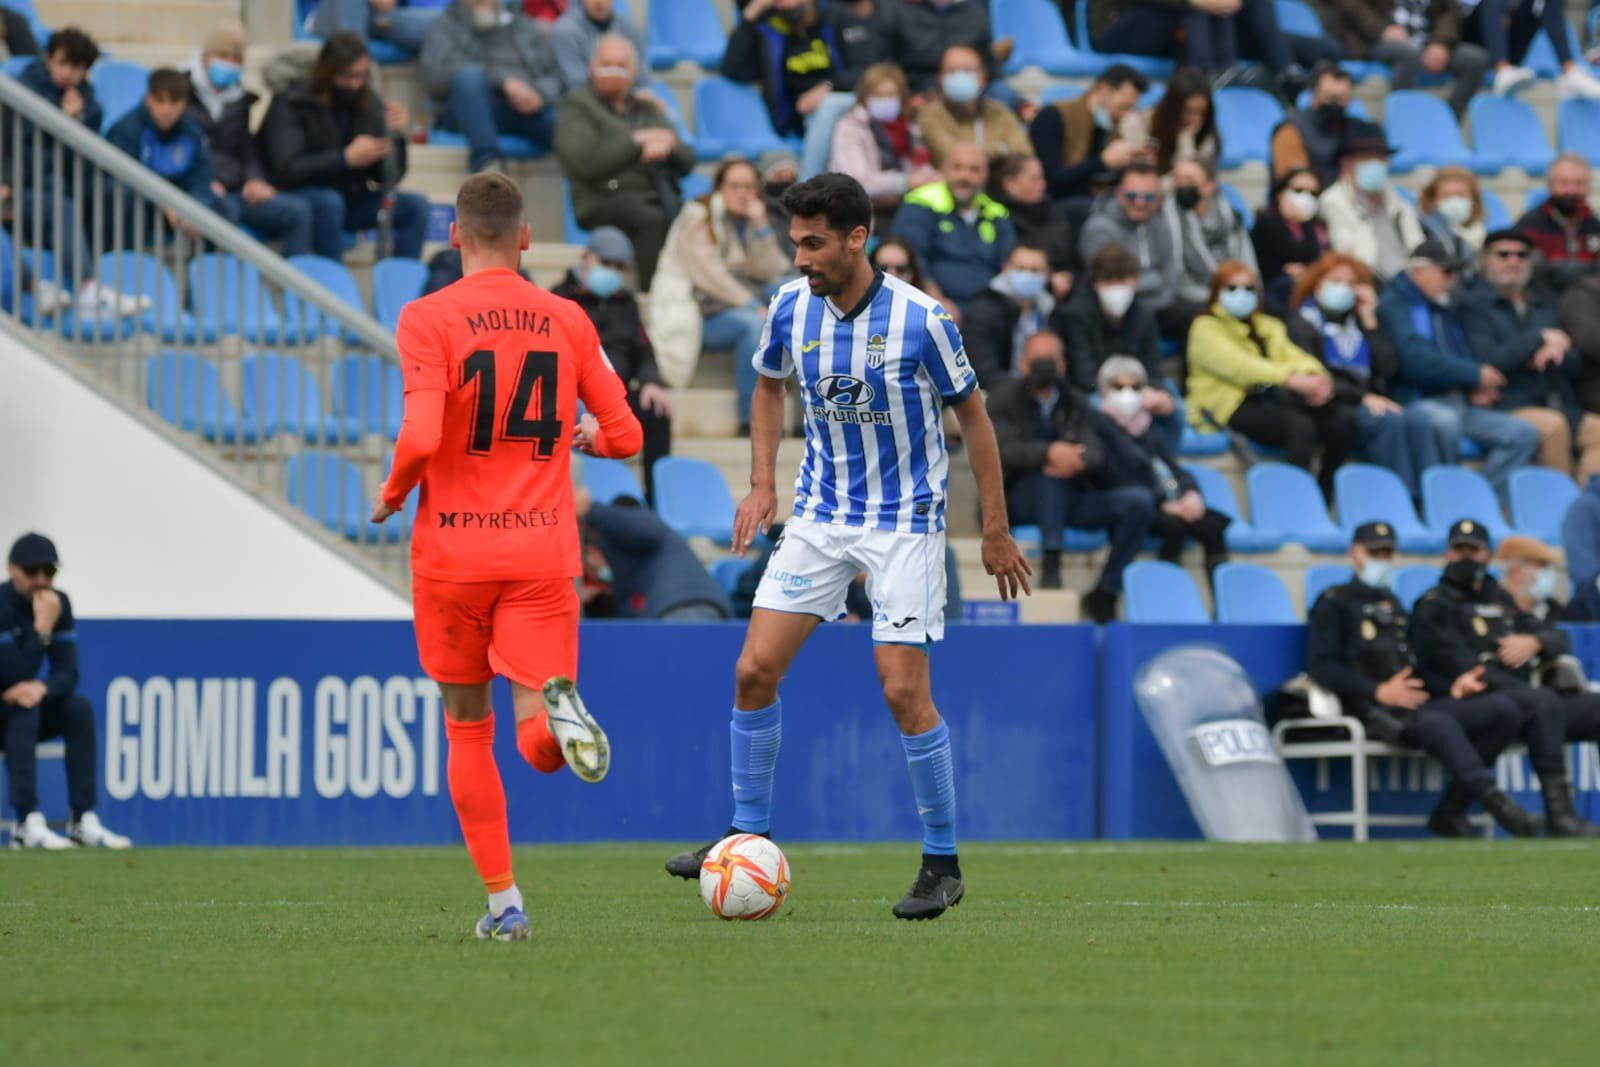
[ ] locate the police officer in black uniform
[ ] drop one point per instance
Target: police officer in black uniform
(1358, 649)
(1468, 626)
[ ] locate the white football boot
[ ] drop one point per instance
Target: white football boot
(583, 743)
(36, 833)
(91, 833)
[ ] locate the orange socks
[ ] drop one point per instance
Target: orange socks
(538, 745)
(480, 799)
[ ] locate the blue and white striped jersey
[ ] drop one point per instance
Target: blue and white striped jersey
(873, 381)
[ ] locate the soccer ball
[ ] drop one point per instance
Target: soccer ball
(744, 877)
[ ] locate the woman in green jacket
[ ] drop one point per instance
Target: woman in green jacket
(1245, 374)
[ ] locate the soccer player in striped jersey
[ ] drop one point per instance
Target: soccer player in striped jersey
(877, 361)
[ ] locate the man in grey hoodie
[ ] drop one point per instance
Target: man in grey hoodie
(575, 34)
(1130, 215)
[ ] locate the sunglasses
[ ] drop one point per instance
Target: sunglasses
(40, 570)
(1509, 253)
(1141, 198)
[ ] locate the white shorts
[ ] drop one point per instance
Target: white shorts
(811, 570)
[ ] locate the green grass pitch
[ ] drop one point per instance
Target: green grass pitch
(1394, 953)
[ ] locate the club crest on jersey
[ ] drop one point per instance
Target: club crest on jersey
(845, 391)
(877, 347)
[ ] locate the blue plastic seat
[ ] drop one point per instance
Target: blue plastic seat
(395, 283)
(1507, 132)
(1242, 536)
(186, 391)
(669, 104)
(277, 393)
(509, 145)
(1578, 123)
(727, 571)
(1541, 57)
(1411, 582)
(1157, 592)
(571, 232)
(731, 119)
(1368, 493)
(1425, 131)
(1453, 493)
(1072, 540)
(607, 479)
(1535, 197)
(1286, 500)
(693, 498)
(369, 394)
(1203, 442)
(15, 65)
(1294, 16)
(330, 490)
(696, 183)
(25, 8)
(686, 31)
(817, 145)
(1325, 576)
(120, 86)
(1245, 120)
(1540, 498)
(1150, 66)
(1040, 39)
(230, 300)
(1056, 91)
(1240, 205)
(141, 273)
(305, 322)
(1250, 593)
(1495, 215)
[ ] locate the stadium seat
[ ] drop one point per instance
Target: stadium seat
(1540, 498)
(1040, 39)
(1072, 540)
(1286, 500)
(25, 8)
(139, 272)
(14, 65)
(1578, 127)
(572, 233)
(1425, 131)
(277, 393)
(305, 321)
(1240, 205)
(120, 87)
(329, 489)
(727, 571)
(1251, 593)
(395, 283)
(1203, 443)
(1495, 215)
(1061, 91)
(818, 142)
(1533, 198)
(607, 479)
(1411, 582)
(229, 300)
(696, 183)
(1296, 17)
(1156, 592)
(686, 31)
(1322, 577)
(510, 145)
(1368, 493)
(1245, 120)
(1507, 133)
(370, 394)
(693, 498)
(731, 119)
(1242, 535)
(1453, 493)
(1149, 66)
(669, 103)
(1541, 57)
(186, 391)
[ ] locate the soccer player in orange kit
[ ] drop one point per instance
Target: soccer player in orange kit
(494, 367)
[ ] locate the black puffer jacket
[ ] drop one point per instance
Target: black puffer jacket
(235, 157)
(303, 142)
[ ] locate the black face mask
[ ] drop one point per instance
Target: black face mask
(777, 189)
(1567, 205)
(1329, 116)
(1042, 374)
(1465, 574)
(347, 97)
(1187, 196)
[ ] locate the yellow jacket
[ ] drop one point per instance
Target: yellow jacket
(1225, 366)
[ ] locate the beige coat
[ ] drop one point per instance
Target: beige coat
(996, 130)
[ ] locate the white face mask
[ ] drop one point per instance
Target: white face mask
(1303, 203)
(1124, 402)
(1378, 573)
(1115, 299)
(1455, 210)
(1544, 585)
(883, 108)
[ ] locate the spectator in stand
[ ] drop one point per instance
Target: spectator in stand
(1106, 318)
(1516, 330)
(1288, 235)
(1312, 137)
(1439, 373)
(780, 168)
(1506, 28)
(396, 22)
(876, 143)
(335, 143)
(575, 34)
(1528, 572)
(1081, 142)
(918, 33)
(1366, 218)
(621, 154)
(220, 105)
(1015, 306)
(1207, 231)
(1335, 318)
(1130, 216)
(1563, 229)
(1137, 454)
(1245, 374)
(960, 114)
(787, 48)
(1183, 123)
(1580, 318)
(894, 256)
(598, 284)
(1038, 220)
(1580, 539)
(1210, 31)
(490, 71)
(961, 235)
(1052, 452)
(40, 702)
(49, 188)
(1452, 212)
(16, 35)
(1414, 37)
(861, 39)
(161, 136)
(654, 572)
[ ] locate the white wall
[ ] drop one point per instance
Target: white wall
(144, 530)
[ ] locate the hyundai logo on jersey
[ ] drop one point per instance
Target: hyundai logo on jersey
(845, 391)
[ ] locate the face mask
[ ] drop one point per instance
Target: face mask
(1304, 204)
(602, 280)
(1115, 299)
(1464, 573)
(1124, 402)
(1456, 210)
(1336, 298)
(1372, 175)
(223, 75)
(778, 188)
(346, 97)
(1102, 119)
(961, 86)
(1567, 205)
(1544, 585)
(1378, 573)
(1240, 303)
(883, 108)
(485, 18)
(1042, 374)
(1329, 116)
(1187, 196)
(1025, 284)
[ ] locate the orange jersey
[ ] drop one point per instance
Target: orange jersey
(512, 361)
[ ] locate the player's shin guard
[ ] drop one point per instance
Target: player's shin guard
(480, 800)
(933, 780)
(538, 745)
(756, 736)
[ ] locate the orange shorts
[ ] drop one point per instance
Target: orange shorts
(467, 632)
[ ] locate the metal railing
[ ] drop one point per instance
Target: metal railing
(258, 368)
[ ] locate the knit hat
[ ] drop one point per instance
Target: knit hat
(227, 38)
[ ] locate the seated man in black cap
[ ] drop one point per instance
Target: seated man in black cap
(36, 626)
(1357, 648)
(1366, 218)
(1468, 626)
